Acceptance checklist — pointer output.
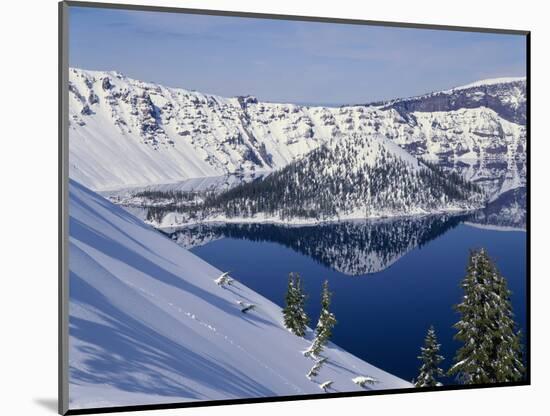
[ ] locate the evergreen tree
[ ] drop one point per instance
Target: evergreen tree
(429, 371)
(492, 350)
(302, 320)
(288, 310)
(294, 315)
(326, 322)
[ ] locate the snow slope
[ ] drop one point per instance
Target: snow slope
(149, 325)
(124, 132)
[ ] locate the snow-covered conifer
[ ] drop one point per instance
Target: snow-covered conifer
(224, 279)
(491, 350)
(294, 315)
(314, 371)
(429, 370)
(364, 380)
(326, 385)
(326, 322)
(248, 307)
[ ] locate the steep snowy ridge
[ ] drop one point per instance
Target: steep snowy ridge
(468, 135)
(495, 177)
(506, 96)
(488, 82)
(125, 132)
(149, 325)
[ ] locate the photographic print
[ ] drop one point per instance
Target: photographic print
(269, 208)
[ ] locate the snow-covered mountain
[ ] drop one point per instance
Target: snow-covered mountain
(352, 177)
(507, 212)
(495, 176)
(125, 132)
(506, 96)
(148, 324)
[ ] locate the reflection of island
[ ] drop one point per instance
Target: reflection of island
(507, 211)
(353, 248)
(504, 183)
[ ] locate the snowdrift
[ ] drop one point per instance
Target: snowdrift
(148, 324)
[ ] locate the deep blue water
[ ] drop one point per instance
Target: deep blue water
(382, 317)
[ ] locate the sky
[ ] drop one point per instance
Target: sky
(287, 61)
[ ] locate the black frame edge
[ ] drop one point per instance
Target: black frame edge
(213, 403)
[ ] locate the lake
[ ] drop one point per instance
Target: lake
(391, 279)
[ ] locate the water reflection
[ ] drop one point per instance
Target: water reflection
(504, 183)
(354, 248)
(507, 211)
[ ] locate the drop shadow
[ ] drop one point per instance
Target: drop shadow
(47, 403)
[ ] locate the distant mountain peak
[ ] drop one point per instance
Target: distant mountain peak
(490, 81)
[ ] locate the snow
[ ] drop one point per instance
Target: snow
(224, 279)
(138, 134)
(148, 324)
(364, 381)
(174, 220)
(326, 385)
(491, 227)
(201, 184)
(491, 81)
(468, 133)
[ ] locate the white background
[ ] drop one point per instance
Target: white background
(28, 208)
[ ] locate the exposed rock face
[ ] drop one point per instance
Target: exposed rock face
(506, 98)
(508, 210)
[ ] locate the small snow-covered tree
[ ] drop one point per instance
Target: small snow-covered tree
(363, 381)
(294, 315)
(290, 302)
(491, 350)
(245, 307)
(429, 370)
(323, 330)
(326, 385)
(314, 371)
(224, 279)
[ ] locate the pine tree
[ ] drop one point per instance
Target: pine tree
(290, 301)
(294, 315)
(429, 371)
(302, 320)
(326, 322)
(492, 349)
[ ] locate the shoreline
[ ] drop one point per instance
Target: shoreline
(304, 222)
